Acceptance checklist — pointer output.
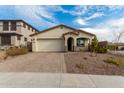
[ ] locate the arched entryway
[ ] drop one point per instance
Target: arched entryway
(70, 43)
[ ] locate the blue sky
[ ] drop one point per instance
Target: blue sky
(104, 21)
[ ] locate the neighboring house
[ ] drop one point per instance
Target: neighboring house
(110, 45)
(103, 43)
(61, 38)
(120, 46)
(15, 33)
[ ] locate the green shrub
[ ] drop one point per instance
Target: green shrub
(114, 61)
(16, 51)
(112, 47)
(94, 45)
(97, 48)
(101, 49)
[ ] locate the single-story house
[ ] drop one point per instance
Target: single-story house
(112, 46)
(61, 38)
(120, 46)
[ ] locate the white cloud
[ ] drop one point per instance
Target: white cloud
(38, 15)
(119, 23)
(114, 7)
(101, 33)
(89, 9)
(79, 10)
(80, 21)
(108, 30)
(56, 8)
(95, 15)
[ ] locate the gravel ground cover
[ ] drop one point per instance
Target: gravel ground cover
(92, 65)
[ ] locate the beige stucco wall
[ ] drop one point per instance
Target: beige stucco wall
(34, 45)
(88, 40)
(26, 34)
(58, 33)
(75, 37)
(13, 40)
(54, 33)
(51, 34)
(120, 46)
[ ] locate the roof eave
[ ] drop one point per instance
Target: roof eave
(64, 26)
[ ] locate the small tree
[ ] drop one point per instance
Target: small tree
(94, 46)
(118, 34)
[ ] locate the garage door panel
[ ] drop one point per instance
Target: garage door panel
(51, 45)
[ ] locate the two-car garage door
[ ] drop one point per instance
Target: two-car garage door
(47, 45)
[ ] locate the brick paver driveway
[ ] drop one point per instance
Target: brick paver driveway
(35, 62)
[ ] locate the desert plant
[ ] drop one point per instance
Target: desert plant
(85, 58)
(3, 55)
(80, 66)
(112, 47)
(94, 45)
(16, 51)
(115, 61)
(101, 49)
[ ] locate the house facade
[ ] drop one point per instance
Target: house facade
(15, 33)
(61, 38)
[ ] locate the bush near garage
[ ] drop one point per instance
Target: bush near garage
(101, 49)
(16, 51)
(3, 55)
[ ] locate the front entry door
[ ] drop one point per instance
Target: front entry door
(70, 44)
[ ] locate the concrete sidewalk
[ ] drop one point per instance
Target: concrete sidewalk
(57, 80)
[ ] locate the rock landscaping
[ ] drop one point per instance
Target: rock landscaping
(83, 62)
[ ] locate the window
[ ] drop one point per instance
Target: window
(6, 40)
(24, 25)
(61, 27)
(18, 37)
(80, 42)
(5, 26)
(28, 27)
(25, 39)
(32, 30)
(13, 25)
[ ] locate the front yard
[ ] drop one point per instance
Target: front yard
(34, 62)
(83, 62)
(70, 62)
